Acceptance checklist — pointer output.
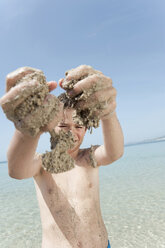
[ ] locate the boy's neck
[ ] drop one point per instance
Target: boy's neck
(74, 153)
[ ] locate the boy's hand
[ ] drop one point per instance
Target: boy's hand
(100, 89)
(13, 77)
(14, 97)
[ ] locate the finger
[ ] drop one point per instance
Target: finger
(60, 82)
(103, 94)
(78, 72)
(93, 83)
(52, 85)
(95, 98)
(16, 94)
(16, 75)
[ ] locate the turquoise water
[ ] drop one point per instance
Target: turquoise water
(132, 200)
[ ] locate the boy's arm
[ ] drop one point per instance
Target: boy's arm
(113, 147)
(22, 160)
(106, 96)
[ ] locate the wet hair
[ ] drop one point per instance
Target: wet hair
(83, 116)
(68, 102)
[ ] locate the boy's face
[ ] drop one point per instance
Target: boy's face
(68, 124)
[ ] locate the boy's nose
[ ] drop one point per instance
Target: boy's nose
(72, 130)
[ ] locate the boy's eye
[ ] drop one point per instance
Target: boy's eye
(79, 127)
(62, 126)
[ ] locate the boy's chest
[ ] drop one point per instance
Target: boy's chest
(77, 184)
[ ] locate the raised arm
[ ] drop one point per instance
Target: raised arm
(113, 147)
(23, 162)
(103, 100)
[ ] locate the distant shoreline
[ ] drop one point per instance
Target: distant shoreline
(3, 162)
(128, 144)
(144, 142)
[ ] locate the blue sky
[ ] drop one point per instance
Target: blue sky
(123, 39)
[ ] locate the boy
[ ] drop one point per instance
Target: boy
(69, 202)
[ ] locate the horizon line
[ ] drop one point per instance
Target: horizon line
(127, 144)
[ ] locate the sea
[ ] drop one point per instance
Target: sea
(132, 195)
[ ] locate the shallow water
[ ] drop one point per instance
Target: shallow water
(133, 197)
(132, 201)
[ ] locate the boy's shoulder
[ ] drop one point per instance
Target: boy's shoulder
(87, 155)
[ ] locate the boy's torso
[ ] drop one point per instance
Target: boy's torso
(70, 207)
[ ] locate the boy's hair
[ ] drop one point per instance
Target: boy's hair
(83, 117)
(68, 102)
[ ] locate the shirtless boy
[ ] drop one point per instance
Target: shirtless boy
(69, 202)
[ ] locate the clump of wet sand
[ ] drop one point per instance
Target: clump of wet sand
(29, 100)
(92, 159)
(58, 160)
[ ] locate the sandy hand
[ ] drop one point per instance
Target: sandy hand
(90, 92)
(28, 103)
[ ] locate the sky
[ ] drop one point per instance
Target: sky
(123, 39)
